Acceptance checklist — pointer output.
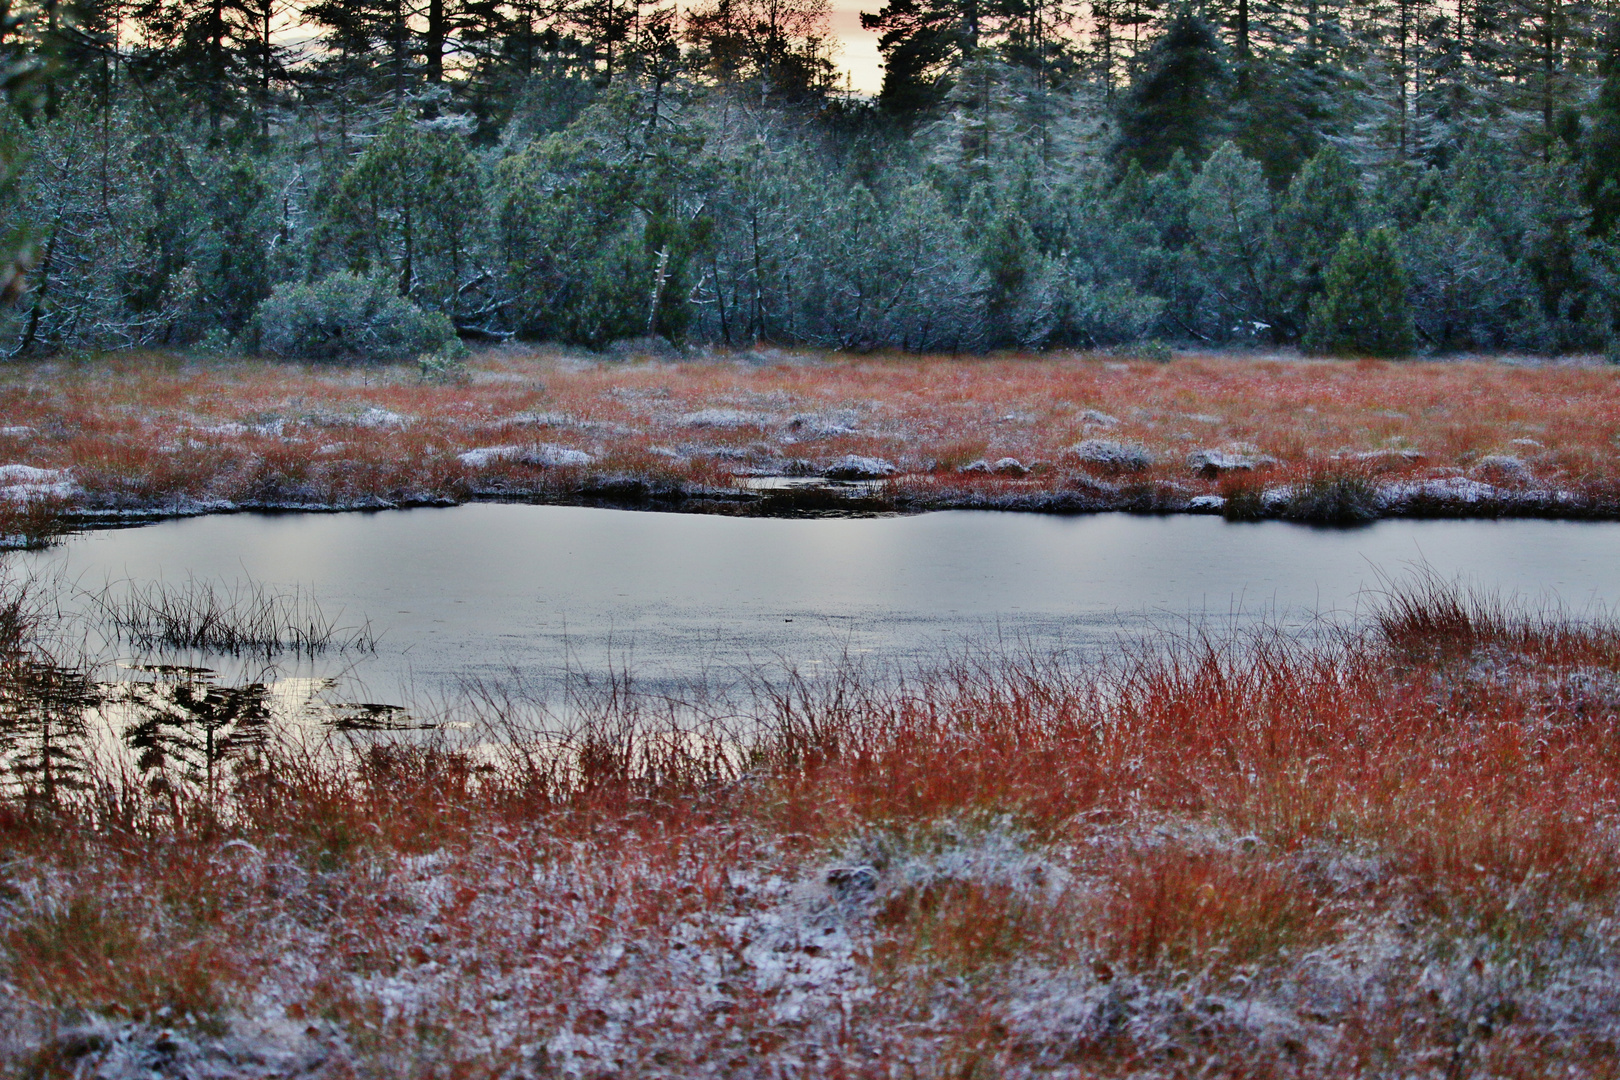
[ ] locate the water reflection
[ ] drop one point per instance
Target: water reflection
(45, 728)
(484, 589)
(172, 726)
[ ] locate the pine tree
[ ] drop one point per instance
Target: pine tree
(780, 49)
(1322, 204)
(1364, 309)
(409, 207)
(923, 42)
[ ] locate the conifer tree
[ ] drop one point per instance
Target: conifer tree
(1600, 180)
(780, 49)
(410, 208)
(1179, 100)
(1363, 310)
(1321, 205)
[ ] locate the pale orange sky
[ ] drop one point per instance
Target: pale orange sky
(858, 53)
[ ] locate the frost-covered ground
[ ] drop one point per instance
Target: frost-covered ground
(1388, 854)
(154, 434)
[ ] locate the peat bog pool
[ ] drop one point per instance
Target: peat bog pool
(556, 595)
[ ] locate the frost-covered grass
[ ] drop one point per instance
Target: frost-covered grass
(1386, 853)
(163, 434)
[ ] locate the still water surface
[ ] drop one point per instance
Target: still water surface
(485, 590)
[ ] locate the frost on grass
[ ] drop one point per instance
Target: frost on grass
(1212, 463)
(243, 435)
(1387, 851)
(380, 418)
(1501, 469)
(725, 419)
(1007, 466)
(857, 467)
(21, 483)
(1113, 456)
(545, 454)
(821, 425)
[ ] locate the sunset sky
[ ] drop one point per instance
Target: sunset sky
(858, 54)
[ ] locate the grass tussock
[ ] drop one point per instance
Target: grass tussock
(1382, 851)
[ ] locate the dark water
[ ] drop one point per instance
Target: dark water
(484, 590)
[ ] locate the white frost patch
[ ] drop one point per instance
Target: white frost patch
(814, 426)
(1501, 467)
(856, 467)
(1233, 459)
(1206, 503)
(1389, 456)
(379, 418)
(250, 1049)
(1007, 466)
(1100, 419)
(1112, 455)
(1446, 489)
(230, 429)
(545, 454)
(21, 483)
(17, 431)
(725, 418)
(539, 419)
(27, 474)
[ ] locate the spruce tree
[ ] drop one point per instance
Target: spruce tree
(1364, 310)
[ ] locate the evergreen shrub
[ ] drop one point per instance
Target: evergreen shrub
(345, 316)
(1364, 310)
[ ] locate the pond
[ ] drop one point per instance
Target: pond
(488, 591)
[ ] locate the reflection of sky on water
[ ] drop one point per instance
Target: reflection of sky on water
(482, 590)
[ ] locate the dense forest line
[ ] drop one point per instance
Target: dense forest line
(345, 178)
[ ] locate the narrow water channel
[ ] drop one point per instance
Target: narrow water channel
(485, 590)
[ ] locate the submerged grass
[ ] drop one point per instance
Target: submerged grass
(245, 617)
(1379, 852)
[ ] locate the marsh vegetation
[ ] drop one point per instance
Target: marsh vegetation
(157, 434)
(1384, 847)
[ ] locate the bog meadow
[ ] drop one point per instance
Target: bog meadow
(1181, 303)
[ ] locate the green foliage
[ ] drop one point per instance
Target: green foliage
(1363, 310)
(1010, 259)
(411, 207)
(890, 269)
(345, 316)
(1280, 112)
(1467, 293)
(921, 41)
(1600, 181)
(1321, 205)
(236, 258)
(585, 175)
(596, 241)
(1229, 213)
